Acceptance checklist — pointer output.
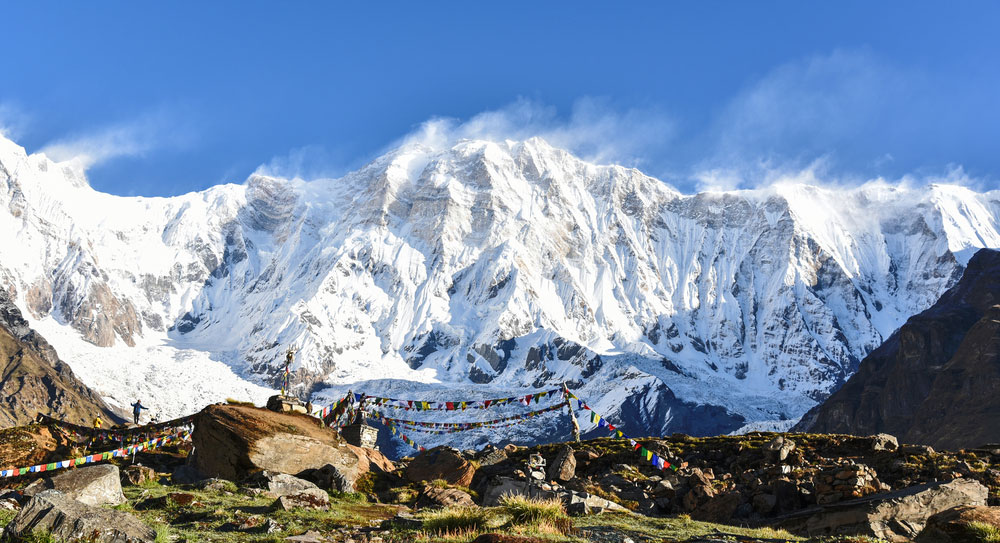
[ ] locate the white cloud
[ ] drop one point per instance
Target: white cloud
(131, 138)
(12, 121)
(594, 129)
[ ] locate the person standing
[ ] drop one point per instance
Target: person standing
(137, 407)
(98, 422)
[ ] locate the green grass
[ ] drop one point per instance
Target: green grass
(986, 533)
(6, 516)
(459, 520)
(532, 512)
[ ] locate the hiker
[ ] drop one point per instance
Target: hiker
(136, 408)
(98, 422)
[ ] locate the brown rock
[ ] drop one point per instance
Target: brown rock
(442, 463)
(563, 468)
(310, 498)
(952, 525)
(234, 441)
(66, 519)
(136, 475)
(91, 485)
(443, 497)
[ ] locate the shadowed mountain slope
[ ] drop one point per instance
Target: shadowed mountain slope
(937, 379)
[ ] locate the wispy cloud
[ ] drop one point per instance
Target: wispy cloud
(136, 137)
(594, 129)
(13, 121)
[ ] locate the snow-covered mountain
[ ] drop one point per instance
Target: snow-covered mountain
(481, 270)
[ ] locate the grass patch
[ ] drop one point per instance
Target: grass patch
(532, 512)
(981, 531)
(6, 516)
(452, 520)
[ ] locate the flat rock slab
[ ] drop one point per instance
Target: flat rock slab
(69, 520)
(893, 516)
(91, 485)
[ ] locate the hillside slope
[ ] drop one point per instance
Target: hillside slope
(33, 380)
(937, 380)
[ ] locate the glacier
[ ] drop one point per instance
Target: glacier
(481, 269)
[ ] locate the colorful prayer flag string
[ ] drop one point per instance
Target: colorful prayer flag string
(601, 422)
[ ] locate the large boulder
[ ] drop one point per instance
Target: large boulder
(955, 524)
(894, 516)
(442, 463)
(234, 441)
(91, 485)
(69, 520)
(563, 468)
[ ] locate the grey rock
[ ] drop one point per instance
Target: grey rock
(884, 442)
(280, 484)
(67, 519)
(90, 485)
(328, 477)
(443, 497)
(896, 516)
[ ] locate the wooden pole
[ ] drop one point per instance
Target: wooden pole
(572, 416)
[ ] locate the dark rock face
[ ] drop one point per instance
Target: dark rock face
(937, 379)
(33, 380)
(953, 525)
(69, 520)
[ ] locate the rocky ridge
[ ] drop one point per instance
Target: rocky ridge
(936, 380)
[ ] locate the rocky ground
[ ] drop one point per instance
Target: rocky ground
(756, 487)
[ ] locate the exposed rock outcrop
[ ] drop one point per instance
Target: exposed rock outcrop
(67, 519)
(34, 380)
(90, 485)
(955, 524)
(895, 516)
(935, 380)
(235, 441)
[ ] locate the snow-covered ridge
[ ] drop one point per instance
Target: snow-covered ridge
(486, 266)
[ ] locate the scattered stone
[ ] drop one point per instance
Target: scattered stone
(309, 537)
(67, 519)
(442, 463)
(183, 499)
(312, 498)
(138, 474)
(90, 485)
(779, 448)
(895, 516)
(253, 524)
(492, 455)
(884, 442)
(952, 525)
(443, 497)
(278, 484)
(916, 450)
(586, 455)
(563, 468)
(719, 509)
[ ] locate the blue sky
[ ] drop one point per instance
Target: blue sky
(162, 99)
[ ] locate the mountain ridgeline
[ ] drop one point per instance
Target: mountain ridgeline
(936, 381)
(490, 268)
